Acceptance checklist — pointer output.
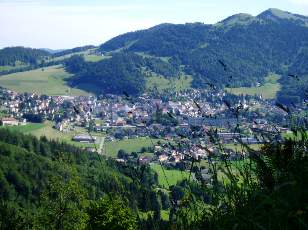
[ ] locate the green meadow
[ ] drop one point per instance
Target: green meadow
(6, 68)
(173, 176)
(46, 129)
(129, 145)
(48, 81)
(267, 91)
(94, 58)
(87, 54)
(28, 128)
(17, 65)
(295, 136)
(161, 83)
(241, 148)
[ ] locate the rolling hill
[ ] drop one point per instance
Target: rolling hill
(20, 59)
(239, 51)
(15, 59)
(50, 81)
(44, 74)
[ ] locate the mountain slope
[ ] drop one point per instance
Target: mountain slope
(31, 168)
(11, 55)
(250, 47)
(74, 50)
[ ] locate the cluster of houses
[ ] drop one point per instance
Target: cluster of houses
(205, 120)
(125, 117)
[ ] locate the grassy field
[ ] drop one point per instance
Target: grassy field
(164, 214)
(240, 148)
(18, 64)
(6, 67)
(129, 145)
(54, 134)
(173, 176)
(69, 55)
(49, 81)
(94, 58)
(87, 54)
(46, 129)
(29, 128)
(268, 90)
(235, 167)
(161, 83)
(292, 135)
(165, 59)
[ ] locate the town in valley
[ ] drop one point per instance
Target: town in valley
(179, 126)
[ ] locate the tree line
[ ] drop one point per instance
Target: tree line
(47, 184)
(11, 55)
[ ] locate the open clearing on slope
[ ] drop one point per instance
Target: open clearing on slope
(161, 83)
(17, 65)
(48, 81)
(240, 148)
(173, 175)
(94, 58)
(129, 145)
(46, 129)
(87, 54)
(27, 129)
(268, 90)
(7, 67)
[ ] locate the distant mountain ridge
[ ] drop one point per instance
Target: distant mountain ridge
(250, 47)
(52, 51)
(273, 14)
(74, 50)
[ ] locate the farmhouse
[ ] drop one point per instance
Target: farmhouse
(120, 122)
(163, 158)
(9, 121)
(84, 138)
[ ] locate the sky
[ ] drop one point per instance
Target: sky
(63, 24)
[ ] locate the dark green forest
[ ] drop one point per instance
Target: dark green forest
(51, 185)
(34, 173)
(239, 51)
(124, 72)
(27, 56)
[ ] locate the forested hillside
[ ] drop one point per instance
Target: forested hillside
(35, 173)
(239, 51)
(124, 72)
(74, 50)
(27, 56)
(52, 185)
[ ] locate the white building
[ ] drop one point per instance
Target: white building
(9, 121)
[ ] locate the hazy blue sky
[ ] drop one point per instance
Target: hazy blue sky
(70, 23)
